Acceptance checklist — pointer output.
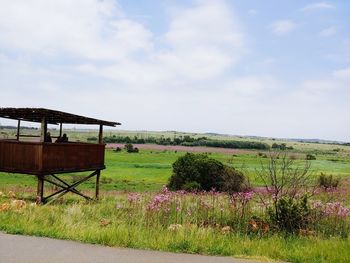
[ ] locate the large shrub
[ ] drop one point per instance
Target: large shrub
(199, 172)
(290, 214)
(328, 181)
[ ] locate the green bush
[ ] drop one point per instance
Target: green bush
(199, 172)
(290, 214)
(328, 181)
(191, 186)
(130, 148)
(310, 157)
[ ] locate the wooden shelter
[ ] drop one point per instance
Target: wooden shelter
(46, 160)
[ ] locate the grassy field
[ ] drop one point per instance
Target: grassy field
(121, 220)
(115, 222)
(149, 170)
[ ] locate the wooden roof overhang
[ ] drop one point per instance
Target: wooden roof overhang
(51, 116)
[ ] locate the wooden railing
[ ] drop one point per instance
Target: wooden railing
(49, 158)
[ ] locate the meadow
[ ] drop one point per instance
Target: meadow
(137, 211)
(149, 170)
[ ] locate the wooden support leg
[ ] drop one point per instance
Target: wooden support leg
(40, 191)
(97, 184)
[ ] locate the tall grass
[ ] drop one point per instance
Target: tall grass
(206, 223)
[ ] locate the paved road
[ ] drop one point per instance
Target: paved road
(25, 249)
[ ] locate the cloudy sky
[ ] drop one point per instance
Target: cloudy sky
(268, 68)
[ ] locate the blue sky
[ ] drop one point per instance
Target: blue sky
(268, 68)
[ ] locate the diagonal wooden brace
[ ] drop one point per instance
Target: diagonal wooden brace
(66, 187)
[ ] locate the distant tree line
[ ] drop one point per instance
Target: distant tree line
(186, 141)
(10, 127)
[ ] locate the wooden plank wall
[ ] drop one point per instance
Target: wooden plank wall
(46, 158)
(20, 156)
(72, 156)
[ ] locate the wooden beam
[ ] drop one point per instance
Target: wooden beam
(43, 130)
(100, 134)
(40, 191)
(60, 135)
(60, 130)
(18, 128)
(97, 193)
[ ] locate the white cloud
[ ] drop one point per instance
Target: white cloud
(84, 28)
(202, 43)
(319, 5)
(204, 40)
(328, 32)
(253, 86)
(283, 27)
(342, 74)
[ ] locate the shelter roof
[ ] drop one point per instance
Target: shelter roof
(51, 116)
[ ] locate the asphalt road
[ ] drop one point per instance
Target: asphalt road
(26, 249)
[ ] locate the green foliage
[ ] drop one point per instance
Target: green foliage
(191, 186)
(204, 173)
(328, 181)
(281, 146)
(118, 149)
(290, 214)
(130, 148)
(189, 141)
(310, 157)
(92, 139)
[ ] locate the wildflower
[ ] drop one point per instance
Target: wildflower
(4, 207)
(134, 197)
(11, 194)
(165, 189)
(257, 225)
(253, 225)
(19, 204)
(226, 230)
(174, 227)
(119, 206)
(306, 233)
(158, 201)
(317, 205)
(105, 222)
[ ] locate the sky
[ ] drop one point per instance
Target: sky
(266, 68)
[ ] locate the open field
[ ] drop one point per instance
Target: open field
(117, 221)
(149, 169)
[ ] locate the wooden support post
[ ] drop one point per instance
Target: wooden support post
(100, 134)
(97, 193)
(100, 141)
(40, 190)
(43, 130)
(60, 129)
(18, 128)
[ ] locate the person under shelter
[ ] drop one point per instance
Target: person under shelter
(64, 138)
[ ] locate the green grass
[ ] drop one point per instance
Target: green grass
(77, 220)
(149, 170)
